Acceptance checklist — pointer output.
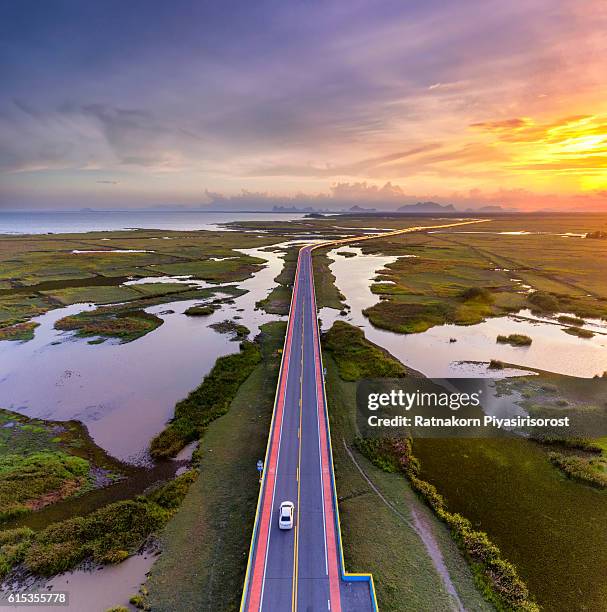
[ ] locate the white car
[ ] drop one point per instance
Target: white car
(285, 515)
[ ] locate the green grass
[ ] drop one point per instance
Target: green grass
(41, 272)
(108, 535)
(122, 322)
(590, 470)
(496, 577)
(207, 402)
(21, 332)
(206, 543)
(42, 462)
(356, 357)
(515, 340)
(568, 320)
(201, 311)
(33, 481)
(579, 332)
(237, 331)
(379, 533)
(431, 289)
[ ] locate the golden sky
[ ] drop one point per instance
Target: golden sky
(379, 101)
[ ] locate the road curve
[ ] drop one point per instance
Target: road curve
(303, 568)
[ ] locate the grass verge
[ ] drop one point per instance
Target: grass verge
(496, 577)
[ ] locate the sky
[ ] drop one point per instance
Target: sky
(241, 104)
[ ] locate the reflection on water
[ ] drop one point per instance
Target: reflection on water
(125, 393)
(435, 354)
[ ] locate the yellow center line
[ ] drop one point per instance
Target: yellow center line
(296, 546)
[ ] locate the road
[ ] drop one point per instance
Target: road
(302, 569)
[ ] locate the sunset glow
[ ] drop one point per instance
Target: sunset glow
(502, 103)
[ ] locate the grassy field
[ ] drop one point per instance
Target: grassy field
(43, 272)
(205, 545)
(43, 462)
(437, 285)
(386, 529)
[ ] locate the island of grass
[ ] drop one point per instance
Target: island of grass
(569, 320)
(357, 358)
(589, 470)
(235, 330)
(43, 462)
(346, 253)
(108, 535)
(203, 310)
(580, 332)
(515, 340)
(21, 332)
(122, 322)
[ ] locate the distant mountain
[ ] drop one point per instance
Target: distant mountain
(292, 209)
(422, 207)
(357, 208)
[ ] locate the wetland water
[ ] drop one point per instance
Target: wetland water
(124, 393)
(434, 354)
(552, 528)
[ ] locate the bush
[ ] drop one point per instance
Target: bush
(515, 340)
(108, 535)
(543, 302)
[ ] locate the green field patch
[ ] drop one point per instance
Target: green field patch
(356, 357)
(20, 331)
(120, 322)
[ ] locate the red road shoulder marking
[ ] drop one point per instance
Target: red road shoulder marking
(258, 571)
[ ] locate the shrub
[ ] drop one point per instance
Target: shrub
(543, 302)
(515, 340)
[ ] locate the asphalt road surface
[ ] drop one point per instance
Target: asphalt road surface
(299, 569)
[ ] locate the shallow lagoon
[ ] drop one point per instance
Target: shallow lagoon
(434, 354)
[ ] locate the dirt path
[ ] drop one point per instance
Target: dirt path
(423, 530)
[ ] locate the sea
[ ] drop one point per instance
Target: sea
(16, 223)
